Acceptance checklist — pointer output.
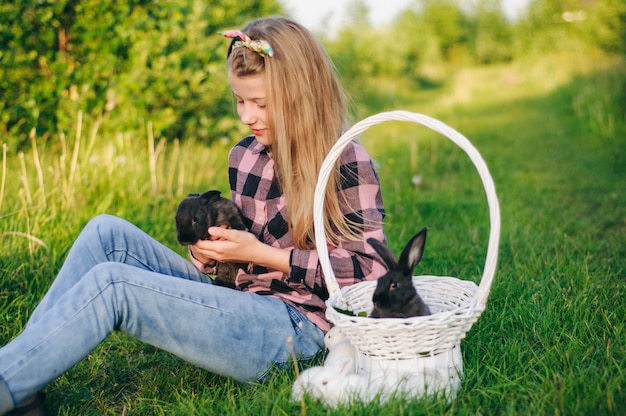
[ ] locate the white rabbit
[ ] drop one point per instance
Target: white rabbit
(339, 349)
(348, 375)
(336, 381)
(414, 378)
(332, 384)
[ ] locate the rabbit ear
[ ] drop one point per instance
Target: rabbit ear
(346, 366)
(384, 252)
(210, 195)
(412, 253)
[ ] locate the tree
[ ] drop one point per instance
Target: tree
(493, 37)
(447, 22)
(605, 24)
(127, 60)
(552, 22)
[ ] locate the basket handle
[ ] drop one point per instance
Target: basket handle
(440, 127)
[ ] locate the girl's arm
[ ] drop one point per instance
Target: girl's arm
(351, 261)
(240, 246)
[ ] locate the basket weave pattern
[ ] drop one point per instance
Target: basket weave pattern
(455, 304)
(453, 313)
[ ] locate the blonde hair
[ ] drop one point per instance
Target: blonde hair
(307, 111)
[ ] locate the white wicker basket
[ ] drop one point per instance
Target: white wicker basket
(455, 304)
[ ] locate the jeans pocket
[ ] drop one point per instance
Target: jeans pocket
(297, 319)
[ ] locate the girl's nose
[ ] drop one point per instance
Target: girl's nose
(247, 115)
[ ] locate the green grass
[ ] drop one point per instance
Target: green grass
(552, 339)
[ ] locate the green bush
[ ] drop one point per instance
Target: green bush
(126, 61)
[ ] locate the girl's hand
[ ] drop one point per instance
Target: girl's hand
(228, 245)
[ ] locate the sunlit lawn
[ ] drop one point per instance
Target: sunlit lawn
(552, 339)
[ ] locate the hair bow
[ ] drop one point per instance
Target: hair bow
(262, 47)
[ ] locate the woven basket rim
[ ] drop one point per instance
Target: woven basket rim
(484, 287)
(413, 337)
(471, 304)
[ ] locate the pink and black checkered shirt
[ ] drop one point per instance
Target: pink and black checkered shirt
(251, 175)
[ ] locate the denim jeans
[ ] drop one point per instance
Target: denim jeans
(116, 277)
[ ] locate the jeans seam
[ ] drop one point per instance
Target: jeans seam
(130, 255)
(92, 298)
(296, 318)
(6, 387)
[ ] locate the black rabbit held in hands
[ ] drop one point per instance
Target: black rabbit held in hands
(196, 213)
(395, 296)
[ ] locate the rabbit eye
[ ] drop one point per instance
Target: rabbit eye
(194, 220)
(394, 285)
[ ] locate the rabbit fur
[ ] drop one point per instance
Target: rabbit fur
(196, 213)
(348, 376)
(395, 296)
(336, 382)
(332, 385)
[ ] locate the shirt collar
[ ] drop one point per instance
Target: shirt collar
(258, 148)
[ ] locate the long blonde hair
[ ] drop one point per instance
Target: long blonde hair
(307, 111)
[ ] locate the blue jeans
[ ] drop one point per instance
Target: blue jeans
(116, 277)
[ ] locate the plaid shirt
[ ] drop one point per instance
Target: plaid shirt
(251, 175)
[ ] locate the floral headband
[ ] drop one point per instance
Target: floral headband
(262, 47)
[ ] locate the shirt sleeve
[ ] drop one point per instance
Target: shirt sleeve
(351, 261)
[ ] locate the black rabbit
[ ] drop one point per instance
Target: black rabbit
(196, 213)
(395, 296)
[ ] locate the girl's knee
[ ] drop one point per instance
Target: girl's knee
(103, 220)
(106, 228)
(102, 273)
(105, 274)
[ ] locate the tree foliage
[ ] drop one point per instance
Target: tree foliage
(492, 37)
(454, 32)
(550, 24)
(136, 61)
(605, 24)
(127, 60)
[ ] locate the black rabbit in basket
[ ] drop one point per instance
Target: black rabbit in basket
(395, 296)
(196, 213)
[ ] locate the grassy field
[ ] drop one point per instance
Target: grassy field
(552, 340)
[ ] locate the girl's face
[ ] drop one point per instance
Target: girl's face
(251, 103)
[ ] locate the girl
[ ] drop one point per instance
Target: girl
(116, 277)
